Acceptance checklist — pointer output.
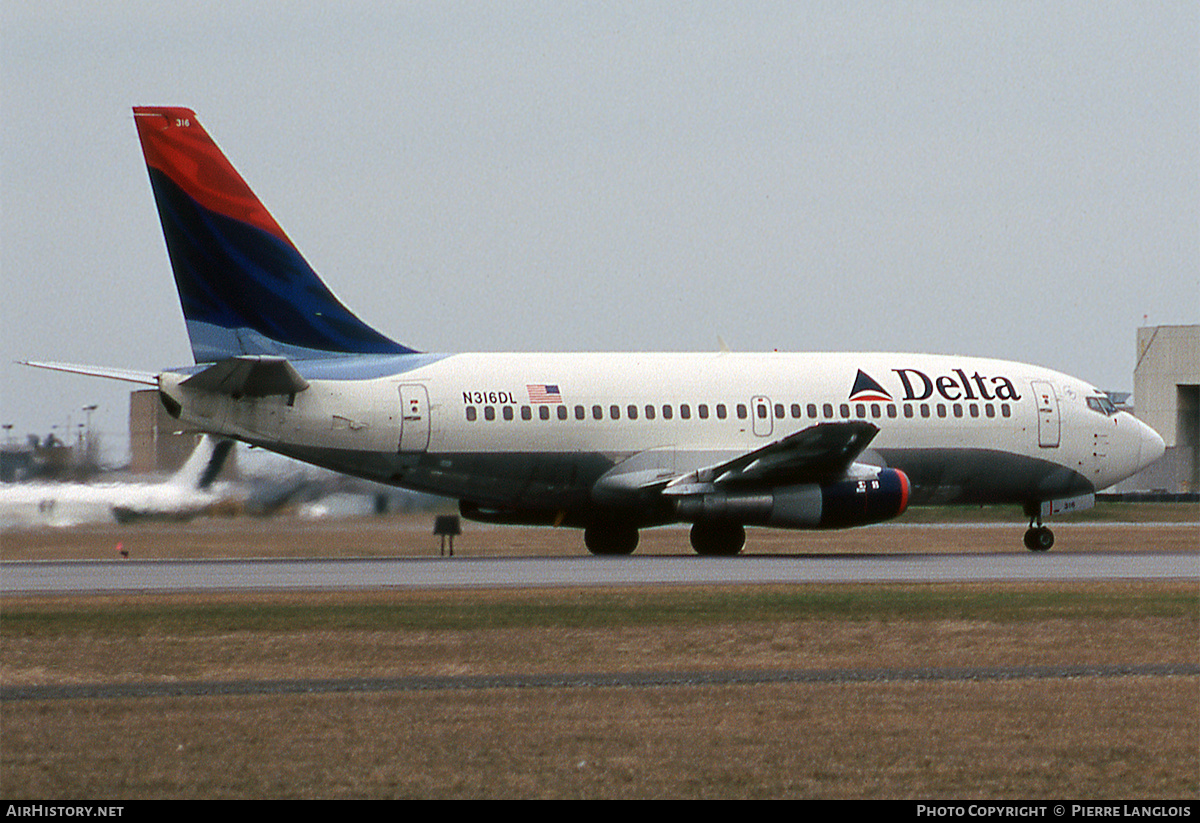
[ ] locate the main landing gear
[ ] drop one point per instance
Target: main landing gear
(718, 539)
(708, 539)
(1038, 538)
(610, 539)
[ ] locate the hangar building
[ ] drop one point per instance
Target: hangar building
(1166, 396)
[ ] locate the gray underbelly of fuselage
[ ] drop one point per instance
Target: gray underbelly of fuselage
(545, 483)
(981, 476)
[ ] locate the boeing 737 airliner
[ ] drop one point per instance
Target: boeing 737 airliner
(610, 443)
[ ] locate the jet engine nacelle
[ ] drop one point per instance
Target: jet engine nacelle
(853, 502)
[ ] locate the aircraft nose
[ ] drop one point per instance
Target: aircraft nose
(1151, 446)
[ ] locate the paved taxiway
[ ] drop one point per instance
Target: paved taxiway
(110, 577)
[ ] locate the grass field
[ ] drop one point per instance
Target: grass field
(1127, 737)
(1084, 737)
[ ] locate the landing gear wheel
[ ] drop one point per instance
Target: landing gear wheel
(718, 539)
(1039, 539)
(610, 540)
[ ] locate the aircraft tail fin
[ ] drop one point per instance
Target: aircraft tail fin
(204, 464)
(245, 288)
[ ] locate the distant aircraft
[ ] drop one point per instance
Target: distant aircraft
(607, 442)
(188, 493)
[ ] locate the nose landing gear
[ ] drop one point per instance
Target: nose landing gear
(1038, 538)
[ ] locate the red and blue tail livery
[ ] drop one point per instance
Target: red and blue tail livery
(245, 288)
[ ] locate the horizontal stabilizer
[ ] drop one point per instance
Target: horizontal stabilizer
(250, 376)
(128, 375)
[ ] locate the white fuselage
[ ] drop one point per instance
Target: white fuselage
(541, 430)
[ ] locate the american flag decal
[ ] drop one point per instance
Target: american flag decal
(544, 393)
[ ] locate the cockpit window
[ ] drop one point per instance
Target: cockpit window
(1102, 405)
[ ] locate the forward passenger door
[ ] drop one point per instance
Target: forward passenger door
(1049, 424)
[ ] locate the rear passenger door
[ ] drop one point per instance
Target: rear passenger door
(414, 418)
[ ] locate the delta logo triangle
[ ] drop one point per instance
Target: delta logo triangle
(866, 389)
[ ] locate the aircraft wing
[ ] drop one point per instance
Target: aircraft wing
(819, 454)
(128, 375)
(249, 376)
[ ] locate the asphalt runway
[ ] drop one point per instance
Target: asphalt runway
(351, 574)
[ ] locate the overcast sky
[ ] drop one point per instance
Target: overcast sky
(1016, 180)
